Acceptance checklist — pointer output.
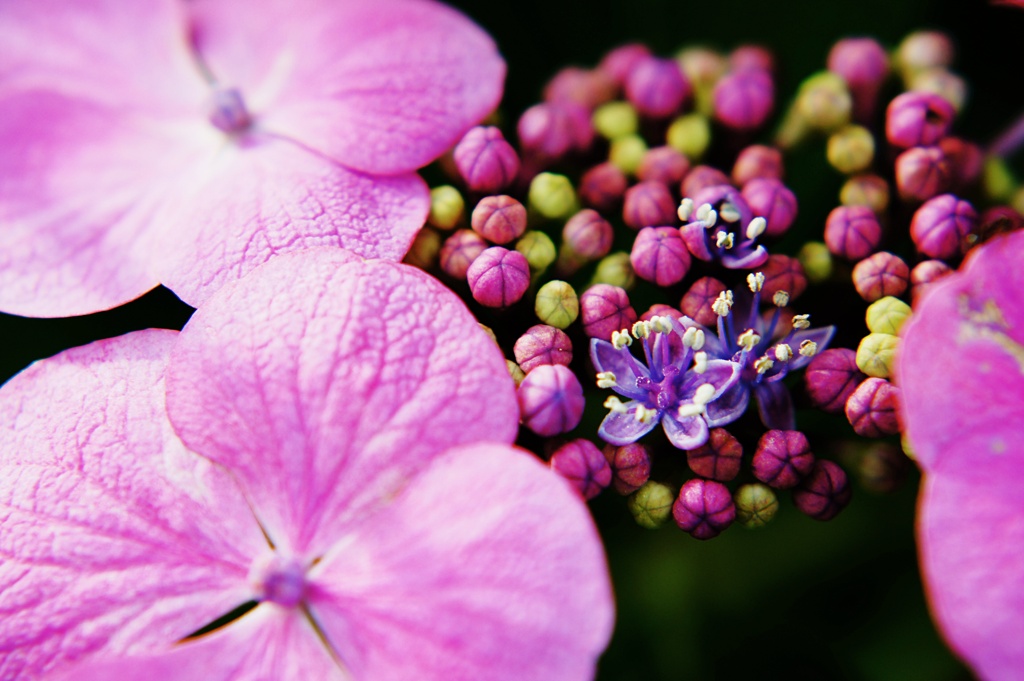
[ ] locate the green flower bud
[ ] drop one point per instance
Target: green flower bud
(824, 101)
(876, 353)
(515, 372)
(627, 152)
(615, 119)
(538, 249)
(756, 504)
(851, 149)
(552, 196)
(690, 135)
(651, 505)
(424, 249)
(998, 180)
(446, 207)
(557, 304)
(816, 260)
(489, 331)
(886, 315)
(866, 190)
(615, 269)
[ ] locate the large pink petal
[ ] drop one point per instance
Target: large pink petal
(114, 537)
(323, 384)
(263, 196)
(384, 86)
(268, 644)
(486, 566)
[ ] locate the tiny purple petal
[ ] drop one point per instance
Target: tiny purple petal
(624, 428)
(729, 406)
(775, 405)
(685, 432)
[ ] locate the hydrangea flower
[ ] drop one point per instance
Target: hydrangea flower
(676, 388)
(184, 143)
(327, 437)
(961, 371)
(721, 227)
(747, 338)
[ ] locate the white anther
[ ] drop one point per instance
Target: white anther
(703, 212)
(645, 415)
(781, 298)
(808, 348)
(722, 304)
(606, 379)
(755, 280)
(621, 339)
(748, 339)
(763, 364)
(690, 336)
(685, 210)
(641, 329)
(756, 228)
(704, 394)
(783, 352)
(688, 410)
(700, 362)
(698, 339)
(729, 212)
(661, 324)
(616, 405)
(725, 240)
(801, 321)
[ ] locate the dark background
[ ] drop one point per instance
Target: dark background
(798, 599)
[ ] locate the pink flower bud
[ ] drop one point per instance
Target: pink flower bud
(663, 164)
(605, 308)
(485, 160)
(660, 256)
(696, 303)
(588, 234)
(583, 87)
(756, 161)
(649, 204)
(783, 273)
(864, 65)
(700, 178)
(852, 232)
(743, 100)
(602, 186)
(783, 458)
(772, 200)
(550, 400)
(459, 251)
(582, 464)
(824, 492)
(752, 58)
(552, 130)
(657, 87)
(499, 219)
(916, 119)
(871, 409)
(882, 274)
(704, 508)
(831, 378)
(618, 63)
(921, 173)
(631, 466)
(498, 277)
(542, 344)
(924, 275)
(717, 459)
(940, 225)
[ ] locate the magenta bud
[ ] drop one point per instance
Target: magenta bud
(852, 232)
(499, 219)
(700, 178)
(583, 465)
(704, 508)
(864, 65)
(966, 161)
(757, 161)
(498, 277)
(924, 275)
(663, 164)
(660, 256)
(552, 130)
(824, 492)
(717, 459)
(882, 274)
(783, 273)
(486, 162)
(773, 201)
(783, 458)
(696, 303)
(660, 310)
(752, 58)
(459, 251)
(542, 344)
(916, 119)
(648, 204)
(744, 99)
(550, 400)
(602, 186)
(657, 87)
(921, 173)
(940, 225)
(871, 408)
(584, 87)
(630, 464)
(831, 378)
(618, 63)
(588, 234)
(605, 308)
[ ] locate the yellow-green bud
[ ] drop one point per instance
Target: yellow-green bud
(942, 82)
(538, 249)
(424, 249)
(998, 179)
(851, 149)
(515, 372)
(886, 315)
(866, 190)
(552, 196)
(615, 119)
(876, 353)
(816, 260)
(651, 505)
(823, 101)
(489, 331)
(615, 269)
(557, 304)
(756, 504)
(627, 152)
(446, 207)
(690, 135)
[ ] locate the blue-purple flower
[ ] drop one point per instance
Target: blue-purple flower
(676, 387)
(720, 226)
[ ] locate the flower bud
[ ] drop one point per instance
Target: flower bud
(538, 249)
(552, 196)
(866, 190)
(663, 164)
(823, 102)
(851, 149)
(782, 458)
(887, 315)
(924, 50)
(660, 310)
(446, 207)
(942, 82)
(757, 161)
(882, 274)
(702, 66)
(616, 270)
(486, 161)
(816, 260)
(701, 178)
(876, 354)
(616, 119)
(499, 219)
(917, 119)
(587, 88)
(690, 135)
(752, 58)
(498, 277)
(542, 344)
(717, 459)
(602, 186)
(657, 87)
(459, 251)
(966, 161)
(744, 99)
(852, 232)
(604, 309)
(864, 65)
(651, 505)
(773, 201)
(696, 303)
(583, 465)
(631, 466)
(756, 505)
(550, 400)
(704, 508)
(940, 225)
(824, 492)
(424, 249)
(783, 273)
(588, 234)
(627, 153)
(618, 62)
(831, 378)
(552, 130)
(872, 408)
(924, 275)
(660, 256)
(556, 304)
(649, 204)
(515, 371)
(921, 173)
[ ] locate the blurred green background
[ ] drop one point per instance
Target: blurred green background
(798, 599)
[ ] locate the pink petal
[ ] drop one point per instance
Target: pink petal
(115, 538)
(383, 87)
(324, 384)
(485, 566)
(266, 196)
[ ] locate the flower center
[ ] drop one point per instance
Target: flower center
(278, 579)
(227, 111)
(661, 394)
